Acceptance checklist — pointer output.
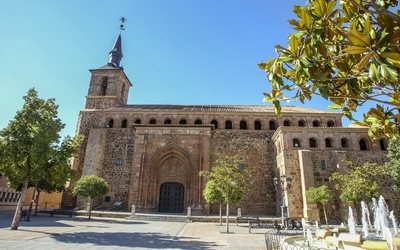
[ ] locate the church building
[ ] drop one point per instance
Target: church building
(151, 155)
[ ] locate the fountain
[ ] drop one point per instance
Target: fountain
(376, 235)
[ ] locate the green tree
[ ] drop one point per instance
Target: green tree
(91, 186)
(393, 165)
(321, 194)
(347, 52)
(30, 148)
(359, 177)
(213, 195)
(229, 179)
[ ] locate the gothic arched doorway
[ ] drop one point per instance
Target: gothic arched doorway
(171, 197)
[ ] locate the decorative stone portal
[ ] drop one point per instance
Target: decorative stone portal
(171, 197)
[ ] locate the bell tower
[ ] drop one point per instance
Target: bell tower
(109, 86)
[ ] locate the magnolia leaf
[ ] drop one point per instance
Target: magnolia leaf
(305, 21)
(262, 65)
(388, 73)
(355, 50)
(335, 106)
(374, 73)
(358, 38)
(364, 61)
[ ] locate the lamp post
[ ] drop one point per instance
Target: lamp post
(279, 183)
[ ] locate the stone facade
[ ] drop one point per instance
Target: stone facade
(144, 150)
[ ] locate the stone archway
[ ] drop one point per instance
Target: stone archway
(171, 197)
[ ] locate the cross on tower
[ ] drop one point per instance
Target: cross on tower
(121, 26)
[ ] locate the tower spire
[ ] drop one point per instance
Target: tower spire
(116, 51)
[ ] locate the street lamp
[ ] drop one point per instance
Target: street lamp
(279, 183)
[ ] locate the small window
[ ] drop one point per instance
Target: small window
(198, 122)
(167, 121)
(296, 143)
(152, 121)
(286, 123)
(243, 125)
(138, 121)
(315, 123)
(328, 143)
(241, 165)
(272, 125)
(110, 123)
(183, 121)
(345, 143)
(104, 86)
(382, 144)
(330, 124)
(124, 123)
(119, 161)
(323, 165)
(215, 123)
(363, 144)
(107, 198)
(257, 125)
(313, 143)
(228, 125)
(301, 124)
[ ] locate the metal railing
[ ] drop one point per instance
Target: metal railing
(274, 240)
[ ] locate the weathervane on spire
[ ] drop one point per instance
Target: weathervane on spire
(121, 26)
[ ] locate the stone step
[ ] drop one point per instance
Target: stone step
(159, 218)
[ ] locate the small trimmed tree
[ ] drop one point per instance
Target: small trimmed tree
(91, 186)
(229, 179)
(393, 165)
(213, 195)
(321, 194)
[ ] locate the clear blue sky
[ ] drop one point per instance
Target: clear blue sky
(175, 51)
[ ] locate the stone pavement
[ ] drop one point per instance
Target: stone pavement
(60, 232)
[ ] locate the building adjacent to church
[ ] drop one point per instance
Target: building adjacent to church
(151, 154)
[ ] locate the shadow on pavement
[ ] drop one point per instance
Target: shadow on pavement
(134, 239)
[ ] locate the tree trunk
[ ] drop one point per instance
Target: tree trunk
(37, 202)
(326, 218)
(227, 217)
(90, 208)
(220, 213)
(18, 211)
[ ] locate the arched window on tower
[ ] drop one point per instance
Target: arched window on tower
(110, 123)
(272, 125)
(363, 144)
(183, 121)
(167, 121)
(330, 124)
(138, 121)
(315, 123)
(215, 123)
(313, 143)
(104, 86)
(382, 144)
(124, 123)
(328, 143)
(243, 125)
(296, 143)
(228, 125)
(152, 121)
(257, 125)
(344, 142)
(198, 122)
(301, 123)
(286, 123)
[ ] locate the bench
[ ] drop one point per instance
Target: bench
(247, 219)
(259, 224)
(61, 211)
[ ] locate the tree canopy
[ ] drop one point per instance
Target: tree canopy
(321, 194)
(229, 179)
(31, 151)
(393, 165)
(347, 52)
(90, 186)
(359, 183)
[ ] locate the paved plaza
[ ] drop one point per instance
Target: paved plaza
(60, 232)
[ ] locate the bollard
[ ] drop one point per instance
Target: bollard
(133, 210)
(189, 212)
(87, 207)
(239, 212)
